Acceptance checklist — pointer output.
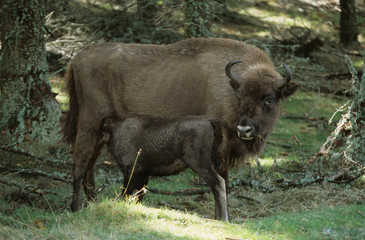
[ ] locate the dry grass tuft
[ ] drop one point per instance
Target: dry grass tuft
(252, 204)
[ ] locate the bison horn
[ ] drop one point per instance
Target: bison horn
(231, 75)
(288, 75)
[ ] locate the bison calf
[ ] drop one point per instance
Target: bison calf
(170, 145)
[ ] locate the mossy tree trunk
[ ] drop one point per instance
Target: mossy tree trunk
(27, 104)
(345, 147)
(198, 15)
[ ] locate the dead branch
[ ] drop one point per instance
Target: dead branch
(306, 118)
(27, 188)
(28, 154)
(360, 213)
(185, 192)
(248, 198)
(340, 175)
(286, 146)
(7, 168)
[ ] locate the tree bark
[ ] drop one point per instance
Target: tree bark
(348, 23)
(27, 104)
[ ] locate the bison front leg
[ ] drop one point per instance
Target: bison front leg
(85, 154)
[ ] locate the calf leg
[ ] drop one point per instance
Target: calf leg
(135, 183)
(218, 186)
(224, 175)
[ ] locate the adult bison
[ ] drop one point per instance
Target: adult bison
(191, 77)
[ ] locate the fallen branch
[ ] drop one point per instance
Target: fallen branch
(28, 154)
(360, 213)
(185, 192)
(28, 188)
(248, 198)
(6, 168)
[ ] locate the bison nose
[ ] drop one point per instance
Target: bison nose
(245, 132)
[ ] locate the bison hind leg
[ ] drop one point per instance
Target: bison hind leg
(89, 179)
(86, 151)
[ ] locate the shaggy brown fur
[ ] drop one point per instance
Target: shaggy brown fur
(170, 145)
(185, 78)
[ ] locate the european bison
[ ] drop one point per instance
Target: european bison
(180, 79)
(170, 145)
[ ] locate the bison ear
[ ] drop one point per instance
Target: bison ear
(232, 76)
(289, 89)
(286, 87)
(234, 84)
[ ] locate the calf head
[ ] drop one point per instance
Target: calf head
(259, 90)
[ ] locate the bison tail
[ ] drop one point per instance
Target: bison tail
(69, 129)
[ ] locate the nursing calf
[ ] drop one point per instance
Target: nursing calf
(170, 145)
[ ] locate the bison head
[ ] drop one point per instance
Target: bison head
(259, 90)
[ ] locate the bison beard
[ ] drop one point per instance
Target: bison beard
(191, 77)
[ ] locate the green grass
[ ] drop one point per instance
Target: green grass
(120, 220)
(303, 137)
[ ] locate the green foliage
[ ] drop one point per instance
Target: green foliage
(131, 21)
(199, 15)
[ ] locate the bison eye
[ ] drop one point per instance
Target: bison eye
(269, 101)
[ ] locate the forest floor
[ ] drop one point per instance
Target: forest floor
(285, 179)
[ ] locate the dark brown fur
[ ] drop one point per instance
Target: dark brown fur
(170, 145)
(185, 78)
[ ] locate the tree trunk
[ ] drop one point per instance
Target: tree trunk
(348, 23)
(198, 16)
(27, 104)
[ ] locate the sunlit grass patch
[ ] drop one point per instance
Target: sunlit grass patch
(110, 219)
